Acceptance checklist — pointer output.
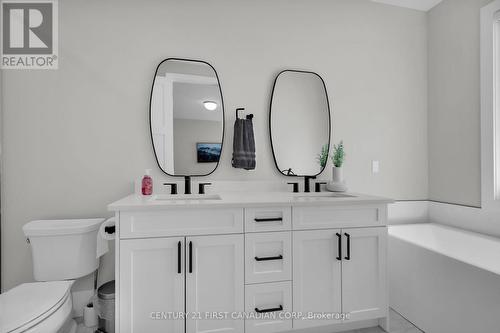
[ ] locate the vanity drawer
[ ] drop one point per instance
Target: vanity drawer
(273, 300)
(268, 219)
(180, 222)
(268, 257)
(328, 217)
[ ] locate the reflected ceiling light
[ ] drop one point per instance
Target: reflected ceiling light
(209, 105)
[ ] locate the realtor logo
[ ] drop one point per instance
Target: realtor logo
(29, 34)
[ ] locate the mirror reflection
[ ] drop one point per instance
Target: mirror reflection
(299, 123)
(187, 116)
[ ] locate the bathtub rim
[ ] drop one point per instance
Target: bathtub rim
(492, 268)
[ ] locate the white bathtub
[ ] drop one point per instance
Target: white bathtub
(445, 280)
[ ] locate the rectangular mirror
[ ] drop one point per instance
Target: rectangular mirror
(186, 117)
(299, 122)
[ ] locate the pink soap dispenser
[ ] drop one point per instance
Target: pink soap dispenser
(147, 183)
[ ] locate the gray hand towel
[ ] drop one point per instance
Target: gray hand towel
(243, 145)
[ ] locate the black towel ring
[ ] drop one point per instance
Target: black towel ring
(249, 116)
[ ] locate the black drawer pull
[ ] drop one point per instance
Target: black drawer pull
(190, 257)
(179, 259)
(348, 257)
(339, 249)
(280, 257)
(280, 308)
(272, 219)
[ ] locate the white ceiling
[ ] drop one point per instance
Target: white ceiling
(423, 5)
(189, 98)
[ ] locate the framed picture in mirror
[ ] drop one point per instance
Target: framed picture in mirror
(208, 152)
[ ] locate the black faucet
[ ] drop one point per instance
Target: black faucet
(317, 186)
(201, 187)
(295, 187)
(307, 187)
(187, 184)
(173, 187)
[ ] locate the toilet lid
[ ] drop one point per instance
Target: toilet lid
(30, 303)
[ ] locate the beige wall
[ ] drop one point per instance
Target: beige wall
(75, 138)
(454, 98)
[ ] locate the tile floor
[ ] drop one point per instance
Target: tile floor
(398, 325)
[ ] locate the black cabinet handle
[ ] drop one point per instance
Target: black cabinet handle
(173, 187)
(190, 257)
(280, 257)
(339, 249)
(280, 308)
(201, 187)
(348, 256)
(110, 229)
(295, 187)
(317, 186)
(179, 257)
(269, 219)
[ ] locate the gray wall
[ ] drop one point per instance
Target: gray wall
(454, 102)
(1, 171)
(75, 138)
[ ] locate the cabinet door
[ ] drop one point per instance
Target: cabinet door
(151, 285)
(214, 283)
(316, 275)
(364, 277)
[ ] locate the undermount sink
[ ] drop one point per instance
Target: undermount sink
(323, 195)
(185, 197)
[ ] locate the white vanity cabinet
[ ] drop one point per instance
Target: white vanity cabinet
(317, 275)
(340, 271)
(206, 267)
(164, 277)
(214, 282)
(364, 277)
(151, 282)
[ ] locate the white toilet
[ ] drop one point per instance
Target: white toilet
(63, 251)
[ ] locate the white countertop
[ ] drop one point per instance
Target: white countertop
(243, 199)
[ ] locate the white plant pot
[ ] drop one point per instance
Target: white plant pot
(338, 183)
(337, 175)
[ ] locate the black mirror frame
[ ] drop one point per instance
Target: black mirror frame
(223, 116)
(270, 115)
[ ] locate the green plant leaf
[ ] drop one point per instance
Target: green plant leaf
(338, 154)
(322, 157)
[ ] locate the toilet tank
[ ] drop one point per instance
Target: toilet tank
(63, 249)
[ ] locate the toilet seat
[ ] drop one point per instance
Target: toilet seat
(29, 304)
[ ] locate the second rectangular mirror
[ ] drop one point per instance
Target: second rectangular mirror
(299, 122)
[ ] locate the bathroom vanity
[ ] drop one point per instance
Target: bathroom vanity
(242, 261)
(250, 262)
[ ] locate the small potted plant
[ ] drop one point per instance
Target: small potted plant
(338, 183)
